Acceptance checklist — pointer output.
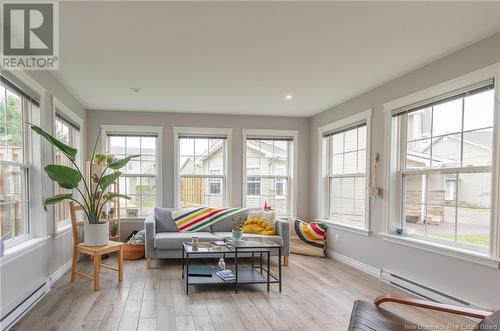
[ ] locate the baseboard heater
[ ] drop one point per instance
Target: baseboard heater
(9, 319)
(421, 290)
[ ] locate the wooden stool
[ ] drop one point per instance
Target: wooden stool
(95, 251)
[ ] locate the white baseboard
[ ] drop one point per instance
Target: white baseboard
(24, 307)
(60, 272)
(353, 263)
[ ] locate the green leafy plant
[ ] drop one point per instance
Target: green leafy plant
(238, 223)
(93, 198)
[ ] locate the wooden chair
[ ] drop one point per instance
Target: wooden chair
(95, 251)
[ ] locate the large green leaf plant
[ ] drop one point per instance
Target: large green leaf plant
(93, 199)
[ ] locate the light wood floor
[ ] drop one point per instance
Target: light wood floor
(317, 295)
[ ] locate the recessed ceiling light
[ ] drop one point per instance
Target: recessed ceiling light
(135, 89)
(289, 97)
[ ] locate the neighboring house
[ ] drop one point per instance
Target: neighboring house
(473, 189)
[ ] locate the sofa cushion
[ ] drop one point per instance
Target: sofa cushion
(174, 240)
(164, 220)
(276, 239)
(260, 222)
(226, 224)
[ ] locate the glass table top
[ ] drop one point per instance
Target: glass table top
(206, 247)
(257, 242)
(246, 244)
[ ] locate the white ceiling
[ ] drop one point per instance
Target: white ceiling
(245, 57)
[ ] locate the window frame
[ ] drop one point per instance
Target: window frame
(324, 152)
(227, 174)
(34, 181)
(292, 163)
(63, 110)
(394, 187)
(137, 130)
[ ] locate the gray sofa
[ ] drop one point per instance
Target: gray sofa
(164, 241)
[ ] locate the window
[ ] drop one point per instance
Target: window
(347, 175)
(202, 163)
(140, 176)
(344, 180)
(253, 183)
(269, 165)
(215, 183)
(69, 133)
(18, 105)
(443, 162)
(280, 188)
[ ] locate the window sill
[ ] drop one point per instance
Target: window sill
(18, 250)
(345, 227)
(463, 254)
(132, 219)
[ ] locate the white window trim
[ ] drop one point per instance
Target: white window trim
(38, 228)
(58, 106)
(228, 152)
(392, 193)
(137, 129)
(293, 163)
(323, 187)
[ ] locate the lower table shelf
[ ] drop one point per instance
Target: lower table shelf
(246, 275)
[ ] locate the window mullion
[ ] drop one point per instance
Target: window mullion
(426, 201)
(456, 207)
(432, 138)
(403, 146)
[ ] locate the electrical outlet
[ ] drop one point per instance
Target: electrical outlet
(337, 236)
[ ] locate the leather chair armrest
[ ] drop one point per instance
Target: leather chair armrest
(463, 311)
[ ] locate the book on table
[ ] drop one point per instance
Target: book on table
(226, 275)
(200, 271)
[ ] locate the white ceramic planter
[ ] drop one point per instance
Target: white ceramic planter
(96, 234)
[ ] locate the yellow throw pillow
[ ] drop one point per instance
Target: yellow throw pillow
(260, 222)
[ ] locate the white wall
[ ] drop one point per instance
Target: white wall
(468, 281)
(21, 275)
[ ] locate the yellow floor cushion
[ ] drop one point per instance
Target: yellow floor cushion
(307, 238)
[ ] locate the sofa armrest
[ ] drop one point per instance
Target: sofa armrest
(283, 230)
(150, 228)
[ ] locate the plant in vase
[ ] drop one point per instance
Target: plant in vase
(237, 225)
(93, 197)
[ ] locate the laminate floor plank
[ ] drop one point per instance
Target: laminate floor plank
(317, 294)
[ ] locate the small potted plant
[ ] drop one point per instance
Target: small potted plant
(100, 158)
(237, 225)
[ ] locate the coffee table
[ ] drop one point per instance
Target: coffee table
(256, 273)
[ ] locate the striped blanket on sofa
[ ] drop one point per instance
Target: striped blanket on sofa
(195, 219)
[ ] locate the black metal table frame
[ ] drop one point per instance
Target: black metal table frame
(271, 279)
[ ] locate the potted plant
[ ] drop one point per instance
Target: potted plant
(237, 225)
(93, 194)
